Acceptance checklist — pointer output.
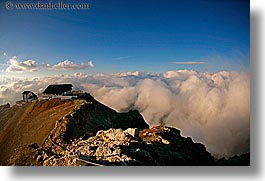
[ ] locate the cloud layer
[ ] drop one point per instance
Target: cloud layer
(212, 108)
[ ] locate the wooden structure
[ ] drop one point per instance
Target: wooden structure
(29, 96)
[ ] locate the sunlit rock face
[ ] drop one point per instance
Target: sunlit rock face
(156, 146)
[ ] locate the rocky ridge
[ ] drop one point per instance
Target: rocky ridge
(157, 146)
(85, 132)
(60, 121)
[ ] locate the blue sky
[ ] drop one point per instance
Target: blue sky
(129, 35)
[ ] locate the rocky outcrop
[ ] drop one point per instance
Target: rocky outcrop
(156, 146)
(242, 160)
(89, 117)
(59, 121)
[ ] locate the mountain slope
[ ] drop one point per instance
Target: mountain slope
(84, 132)
(63, 119)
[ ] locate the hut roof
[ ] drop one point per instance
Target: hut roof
(26, 92)
(58, 89)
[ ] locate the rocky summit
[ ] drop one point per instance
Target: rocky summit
(84, 132)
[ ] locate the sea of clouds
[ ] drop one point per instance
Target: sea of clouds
(212, 108)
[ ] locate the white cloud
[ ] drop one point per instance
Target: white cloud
(212, 108)
(66, 65)
(190, 63)
(90, 64)
(47, 66)
(125, 74)
(121, 58)
(31, 65)
(24, 66)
